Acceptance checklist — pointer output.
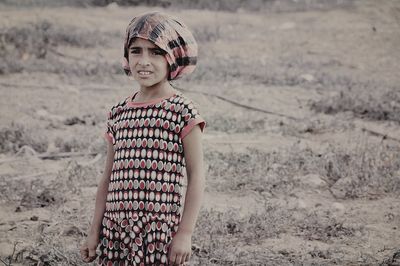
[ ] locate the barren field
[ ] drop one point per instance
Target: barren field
(302, 147)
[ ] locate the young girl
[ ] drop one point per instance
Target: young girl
(154, 137)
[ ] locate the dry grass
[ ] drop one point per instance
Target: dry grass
(231, 124)
(324, 227)
(371, 169)
(53, 241)
(238, 235)
(33, 48)
(375, 103)
(271, 172)
(15, 136)
(367, 170)
(220, 5)
(224, 238)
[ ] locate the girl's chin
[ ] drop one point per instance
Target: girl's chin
(148, 83)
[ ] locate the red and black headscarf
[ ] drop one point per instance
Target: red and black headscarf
(168, 34)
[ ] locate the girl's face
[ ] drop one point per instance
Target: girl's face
(148, 64)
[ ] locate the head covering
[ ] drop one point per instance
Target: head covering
(168, 34)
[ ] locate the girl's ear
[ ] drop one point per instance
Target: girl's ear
(125, 66)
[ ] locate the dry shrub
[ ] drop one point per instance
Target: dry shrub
(53, 242)
(75, 176)
(70, 144)
(392, 260)
(323, 227)
(24, 192)
(374, 103)
(207, 33)
(212, 67)
(369, 170)
(229, 124)
(16, 135)
(264, 5)
(31, 194)
(223, 5)
(37, 193)
(38, 36)
(225, 238)
(32, 48)
(39, 198)
(257, 170)
(163, 3)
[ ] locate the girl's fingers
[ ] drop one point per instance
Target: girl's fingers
(172, 257)
(178, 259)
(84, 254)
(92, 253)
(183, 260)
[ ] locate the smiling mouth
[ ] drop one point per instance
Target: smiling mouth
(144, 73)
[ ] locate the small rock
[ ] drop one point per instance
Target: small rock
(6, 249)
(71, 231)
(45, 115)
(307, 77)
(26, 151)
(301, 204)
(312, 180)
(112, 6)
(287, 25)
(339, 189)
(34, 218)
(338, 207)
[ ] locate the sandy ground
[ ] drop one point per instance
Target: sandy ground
(286, 183)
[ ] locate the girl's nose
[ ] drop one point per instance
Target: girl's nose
(144, 60)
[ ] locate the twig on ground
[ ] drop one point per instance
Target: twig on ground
(54, 87)
(12, 255)
(7, 264)
(54, 51)
(93, 161)
(242, 105)
(58, 253)
(65, 154)
(54, 156)
(379, 134)
(28, 177)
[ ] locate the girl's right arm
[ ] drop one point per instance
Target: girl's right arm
(88, 249)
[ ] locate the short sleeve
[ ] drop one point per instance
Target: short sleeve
(190, 117)
(109, 134)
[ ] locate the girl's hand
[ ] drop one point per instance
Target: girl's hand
(180, 248)
(88, 249)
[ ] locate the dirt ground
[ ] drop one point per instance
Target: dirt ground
(301, 146)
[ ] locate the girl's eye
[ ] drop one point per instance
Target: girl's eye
(158, 52)
(135, 51)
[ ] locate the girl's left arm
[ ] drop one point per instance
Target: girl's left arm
(180, 248)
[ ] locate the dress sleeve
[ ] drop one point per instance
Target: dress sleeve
(190, 117)
(109, 134)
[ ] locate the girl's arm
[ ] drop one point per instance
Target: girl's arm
(88, 249)
(180, 249)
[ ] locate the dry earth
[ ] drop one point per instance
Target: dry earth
(312, 177)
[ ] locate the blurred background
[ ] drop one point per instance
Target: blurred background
(302, 103)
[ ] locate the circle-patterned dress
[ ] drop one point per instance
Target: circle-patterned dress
(143, 206)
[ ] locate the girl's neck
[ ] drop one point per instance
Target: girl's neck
(150, 93)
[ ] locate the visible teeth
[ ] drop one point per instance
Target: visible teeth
(144, 72)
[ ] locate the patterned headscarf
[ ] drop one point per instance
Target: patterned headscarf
(168, 34)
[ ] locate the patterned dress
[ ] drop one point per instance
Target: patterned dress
(143, 207)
